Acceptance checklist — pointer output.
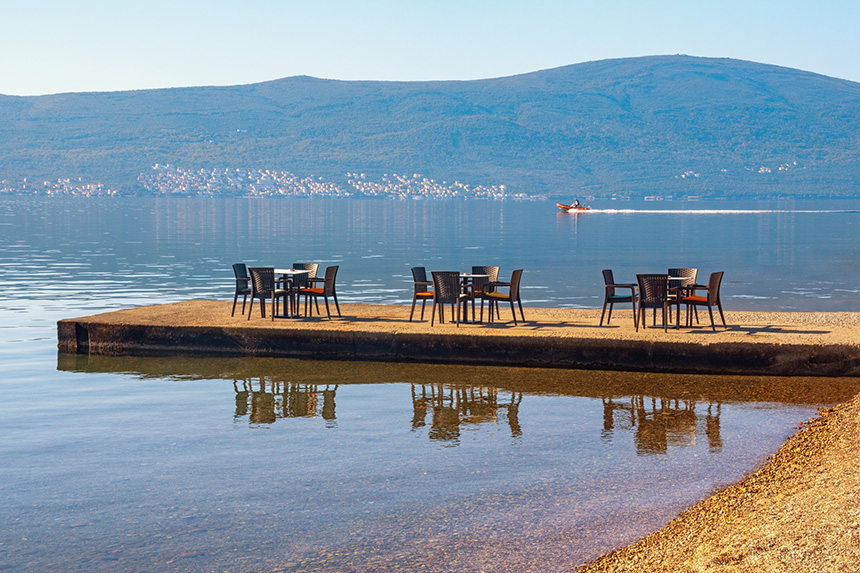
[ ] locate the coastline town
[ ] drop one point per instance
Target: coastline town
(169, 180)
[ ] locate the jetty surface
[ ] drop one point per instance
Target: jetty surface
(754, 343)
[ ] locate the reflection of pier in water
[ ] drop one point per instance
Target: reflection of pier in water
(262, 401)
(453, 406)
(659, 423)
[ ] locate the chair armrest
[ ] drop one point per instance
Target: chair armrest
(423, 283)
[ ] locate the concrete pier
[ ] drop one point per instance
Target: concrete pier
(783, 344)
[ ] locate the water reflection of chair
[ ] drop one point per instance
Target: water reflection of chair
(452, 407)
(243, 286)
(420, 290)
(653, 294)
(268, 400)
(658, 423)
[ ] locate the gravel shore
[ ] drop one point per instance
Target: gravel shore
(799, 512)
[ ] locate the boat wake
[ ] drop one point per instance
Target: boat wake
(717, 211)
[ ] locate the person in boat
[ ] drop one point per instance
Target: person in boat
(575, 203)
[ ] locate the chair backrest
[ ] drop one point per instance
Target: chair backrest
(516, 276)
(653, 290)
(446, 287)
(242, 279)
(241, 271)
(688, 274)
(419, 276)
(301, 281)
(714, 288)
(312, 269)
(609, 279)
(262, 281)
(492, 276)
(330, 275)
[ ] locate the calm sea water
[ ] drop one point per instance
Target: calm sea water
(199, 464)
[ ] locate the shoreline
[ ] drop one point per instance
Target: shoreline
(800, 511)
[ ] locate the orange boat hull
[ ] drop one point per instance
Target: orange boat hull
(571, 208)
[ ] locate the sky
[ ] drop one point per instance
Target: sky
(57, 46)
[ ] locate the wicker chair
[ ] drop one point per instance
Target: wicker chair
(446, 290)
(327, 290)
(711, 299)
(611, 298)
(421, 291)
(479, 285)
(678, 288)
(263, 287)
(308, 280)
(654, 294)
(243, 286)
(513, 294)
(302, 281)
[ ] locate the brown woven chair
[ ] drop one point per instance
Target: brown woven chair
(478, 286)
(421, 290)
(654, 294)
(308, 280)
(263, 287)
(679, 288)
(243, 286)
(711, 299)
(327, 290)
(611, 297)
(513, 294)
(446, 290)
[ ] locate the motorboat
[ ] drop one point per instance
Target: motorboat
(575, 208)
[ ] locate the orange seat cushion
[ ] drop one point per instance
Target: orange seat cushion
(703, 299)
(498, 295)
(313, 290)
(424, 294)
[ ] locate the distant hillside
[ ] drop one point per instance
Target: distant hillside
(654, 125)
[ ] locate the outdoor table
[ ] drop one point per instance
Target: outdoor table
(287, 275)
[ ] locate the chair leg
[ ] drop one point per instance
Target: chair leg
(513, 310)
(327, 311)
(723, 318)
(665, 308)
(604, 312)
(336, 305)
(235, 298)
(433, 313)
(711, 312)
(423, 304)
(520, 304)
(411, 312)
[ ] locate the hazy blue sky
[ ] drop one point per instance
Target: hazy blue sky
(50, 46)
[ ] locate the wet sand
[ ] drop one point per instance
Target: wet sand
(799, 512)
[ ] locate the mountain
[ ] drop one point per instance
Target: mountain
(652, 125)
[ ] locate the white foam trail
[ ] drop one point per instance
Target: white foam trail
(713, 211)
